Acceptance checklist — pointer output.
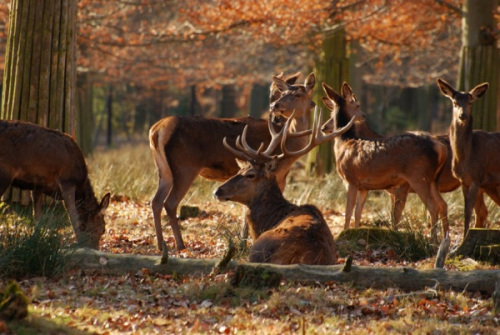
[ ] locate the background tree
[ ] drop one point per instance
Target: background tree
(40, 73)
(480, 59)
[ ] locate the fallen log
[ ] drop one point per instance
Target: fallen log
(407, 279)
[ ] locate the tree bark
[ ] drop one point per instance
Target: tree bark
(407, 279)
(332, 68)
(39, 78)
(480, 60)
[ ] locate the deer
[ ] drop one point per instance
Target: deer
(47, 161)
(475, 162)
(387, 163)
(283, 233)
(186, 147)
(446, 181)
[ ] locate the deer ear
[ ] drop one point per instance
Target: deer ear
(346, 91)
(310, 82)
(241, 163)
(280, 84)
(103, 206)
(330, 93)
(446, 88)
(479, 91)
(291, 79)
(328, 103)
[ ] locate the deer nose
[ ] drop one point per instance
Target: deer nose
(218, 194)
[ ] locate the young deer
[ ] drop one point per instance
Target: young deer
(185, 147)
(47, 161)
(385, 163)
(476, 158)
(283, 233)
(446, 182)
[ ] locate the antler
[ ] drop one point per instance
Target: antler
(245, 152)
(318, 136)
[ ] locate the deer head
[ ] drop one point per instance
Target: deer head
(334, 101)
(259, 166)
(462, 101)
(294, 97)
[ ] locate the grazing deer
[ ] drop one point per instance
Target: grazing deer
(283, 233)
(385, 163)
(446, 182)
(476, 153)
(185, 147)
(47, 161)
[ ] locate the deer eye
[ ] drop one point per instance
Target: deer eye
(251, 175)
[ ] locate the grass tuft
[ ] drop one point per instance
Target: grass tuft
(29, 250)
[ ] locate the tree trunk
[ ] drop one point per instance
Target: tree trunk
(228, 106)
(109, 111)
(333, 69)
(259, 100)
(85, 111)
(407, 279)
(481, 244)
(480, 60)
(40, 74)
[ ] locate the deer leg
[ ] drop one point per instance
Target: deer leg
(442, 207)
(398, 198)
(37, 200)
(68, 195)
(183, 181)
(470, 195)
(351, 199)
(481, 210)
(360, 203)
(424, 192)
(164, 188)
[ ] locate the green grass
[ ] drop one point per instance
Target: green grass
(28, 250)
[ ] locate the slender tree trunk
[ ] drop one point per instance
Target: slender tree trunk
(228, 106)
(333, 69)
(109, 110)
(480, 59)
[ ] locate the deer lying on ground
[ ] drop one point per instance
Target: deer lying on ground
(476, 153)
(446, 182)
(49, 162)
(185, 147)
(385, 163)
(283, 233)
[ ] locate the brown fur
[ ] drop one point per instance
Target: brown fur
(50, 162)
(185, 147)
(385, 163)
(446, 181)
(475, 162)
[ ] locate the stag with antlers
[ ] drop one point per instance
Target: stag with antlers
(283, 233)
(385, 163)
(476, 159)
(185, 147)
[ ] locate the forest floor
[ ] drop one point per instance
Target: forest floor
(85, 302)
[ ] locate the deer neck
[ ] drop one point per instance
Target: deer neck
(461, 141)
(86, 202)
(267, 210)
